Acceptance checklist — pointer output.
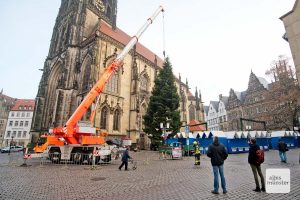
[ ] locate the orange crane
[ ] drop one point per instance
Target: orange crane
(77, 138)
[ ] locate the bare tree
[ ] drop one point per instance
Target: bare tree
(282, 94)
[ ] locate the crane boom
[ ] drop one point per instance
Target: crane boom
(68, 130)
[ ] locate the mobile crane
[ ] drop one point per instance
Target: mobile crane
(77, 138)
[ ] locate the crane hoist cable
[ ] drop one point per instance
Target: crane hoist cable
(164, 40)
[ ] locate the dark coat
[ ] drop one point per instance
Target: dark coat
(252, 157)
(217, 153)
(125, 156)
(282, 146)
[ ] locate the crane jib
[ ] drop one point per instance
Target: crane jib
(99, 86)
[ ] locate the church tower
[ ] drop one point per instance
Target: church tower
(60, 87)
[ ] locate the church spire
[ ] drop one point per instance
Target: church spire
(198, 101)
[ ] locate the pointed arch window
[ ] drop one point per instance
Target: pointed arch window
(144, 83)
(86, 76)
(113, 84)
(108, 12)
(192, 112)
(116, 123)
(104, 116)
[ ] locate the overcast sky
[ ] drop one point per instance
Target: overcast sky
(214, 44)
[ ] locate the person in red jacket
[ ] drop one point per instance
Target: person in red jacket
(252, 160)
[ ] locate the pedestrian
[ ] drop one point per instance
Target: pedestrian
(256, 166)
(125, 158)
(218, 154)
(282, 148)
(196, 152)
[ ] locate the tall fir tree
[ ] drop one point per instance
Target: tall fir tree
(163, 105)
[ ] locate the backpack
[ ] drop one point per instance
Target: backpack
(260, 156)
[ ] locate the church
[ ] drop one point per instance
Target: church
(85, 40)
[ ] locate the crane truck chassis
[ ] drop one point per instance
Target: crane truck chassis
(79, 141)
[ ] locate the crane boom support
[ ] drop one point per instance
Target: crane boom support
(68, 131)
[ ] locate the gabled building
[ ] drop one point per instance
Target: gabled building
(254, 105)
(17, 130)
(212, 116)
(234, 109)
(222, 113)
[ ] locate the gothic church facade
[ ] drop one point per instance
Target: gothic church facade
(85, 40)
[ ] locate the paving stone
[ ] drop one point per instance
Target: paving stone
(153, 179)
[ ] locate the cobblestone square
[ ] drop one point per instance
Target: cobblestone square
(153, 179)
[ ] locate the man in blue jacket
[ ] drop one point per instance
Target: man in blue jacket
(125, 158)
(218, 154)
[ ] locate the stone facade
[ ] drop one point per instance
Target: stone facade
(264, 105)
(234, 109)
(85, 40)
(291, 21)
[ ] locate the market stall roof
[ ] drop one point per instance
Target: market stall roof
(230, 134)
(277, 134)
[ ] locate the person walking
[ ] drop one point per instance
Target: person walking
(255, 166)
(282, 148)
(218, 154)
(197, 153)
(125, 158)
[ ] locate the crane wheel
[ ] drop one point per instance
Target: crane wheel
(55, 156)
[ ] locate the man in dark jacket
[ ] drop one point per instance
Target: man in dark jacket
(125, 158)
(282, 148)
(252, 160)
(218, 154)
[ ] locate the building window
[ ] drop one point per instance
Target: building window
(14, 134)
(25, 107)
(28, 114)
(21, 123)
(116, 120)
(24, 134)
(192, 113)
(144, 83)
(19, 134)
(103, 120)
(23, 114)
(10, 123)
(8, 134)
(86, 78)
(20, 107)
(26, 123)
(113, 83)
(18, 114)
(16, 123)
(12, 114)
(30, 108)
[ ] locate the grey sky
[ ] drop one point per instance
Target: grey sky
(214, 44)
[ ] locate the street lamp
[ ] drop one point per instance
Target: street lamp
(164, 127)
